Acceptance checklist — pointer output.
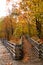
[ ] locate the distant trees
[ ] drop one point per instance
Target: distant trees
(26, 17)
(38, 13)
(35, 13)
(9, 26)
(28, 14)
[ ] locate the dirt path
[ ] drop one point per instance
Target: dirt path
(26, 47)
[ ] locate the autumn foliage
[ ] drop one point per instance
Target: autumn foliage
(26, 17)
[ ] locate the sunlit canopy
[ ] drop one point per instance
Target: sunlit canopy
(3, 7)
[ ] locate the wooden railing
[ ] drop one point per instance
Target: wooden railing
(37, 47)
(15, 49)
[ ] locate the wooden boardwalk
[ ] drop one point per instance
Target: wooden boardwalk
(6, 58)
